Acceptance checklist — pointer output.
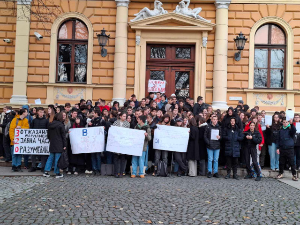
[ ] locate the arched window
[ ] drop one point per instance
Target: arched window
(269, 59)
(72, 44)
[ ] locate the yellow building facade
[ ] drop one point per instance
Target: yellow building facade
(191, 48)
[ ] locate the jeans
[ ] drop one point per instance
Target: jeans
(213, 155)
(274, 157)
(53, 157)
(16, 158)
(297, 156)
(138, 161)
(26, 159)
(146, 158)
(96, 161)
(43, 160)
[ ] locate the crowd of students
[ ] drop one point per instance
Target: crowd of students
(236, 138)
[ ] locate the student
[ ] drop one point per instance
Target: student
(193, 148)
(19, 122)
(40, 122)
(8, 117)
(175, 116)
(297, 143)
(285, 143)
(202, 145)
(161, 153)
(252, 138)
(232, 135)
(120, 159)
(271, 138)
(163, 102)
(96, 157)
(140, 160)
(58, 144)
(213, 146)
(199, 106)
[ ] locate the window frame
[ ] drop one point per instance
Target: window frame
(72, 42)
(270, 47)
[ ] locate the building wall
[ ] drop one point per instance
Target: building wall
(7, 50)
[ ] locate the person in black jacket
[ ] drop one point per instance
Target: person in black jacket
(8, 117)
(213, 145)
(193, 147)
(96, 157)
(232, 135)
(58, 144)
(252, 139)
(297, 142)
(40, 122)
(199, 106)
(285, 143)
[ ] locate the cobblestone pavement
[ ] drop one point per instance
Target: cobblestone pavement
(185, 200)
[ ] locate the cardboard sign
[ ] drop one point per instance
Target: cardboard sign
(157, 86)
(31, 142)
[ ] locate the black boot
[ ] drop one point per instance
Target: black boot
(14, 169)
(248, 176)
(19, 169)
(228, 175)
(235, 176)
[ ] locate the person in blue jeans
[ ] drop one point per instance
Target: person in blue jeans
(97, 121)
(212, 137)
(271, 138)
(58, 144)
(140, 160)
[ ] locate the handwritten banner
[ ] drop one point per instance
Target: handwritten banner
(125, 141)
(157, 86)
(87, 140)
(31, 142)
(171, 138)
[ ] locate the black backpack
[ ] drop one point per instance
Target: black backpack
(162, 169)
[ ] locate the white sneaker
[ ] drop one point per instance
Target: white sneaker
(86, 171)
(90, 172)
(75, 173)
(69, 173)
(46, 174)
(59, 175)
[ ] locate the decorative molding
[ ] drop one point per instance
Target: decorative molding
(183, 8)
(145, 12)
(204, 42)
(24, 2)
(137, 40)
(259, 98)
(123, 3)
(79, 95)
(18, 99)
(289, 49)
(222, 4)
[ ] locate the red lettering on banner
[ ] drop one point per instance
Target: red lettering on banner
(17, 141)
(17, 133)
(16, 149)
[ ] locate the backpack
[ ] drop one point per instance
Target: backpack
(162, 169)
(6, 131)
(63, 161)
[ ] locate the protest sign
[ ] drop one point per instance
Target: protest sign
(171, 138)
(125, 141)
(298, 127)
(31, 142)
(289, 114)
(157, 86)
(87, 140)
(268, 120)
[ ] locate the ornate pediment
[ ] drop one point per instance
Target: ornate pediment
(171, 21)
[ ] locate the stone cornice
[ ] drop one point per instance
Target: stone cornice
(222, 4)
(123, 3)
(24, 2)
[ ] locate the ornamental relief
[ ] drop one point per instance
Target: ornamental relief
(69, 93)
(270, 99)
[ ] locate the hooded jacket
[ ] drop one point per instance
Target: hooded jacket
(147, 129)
(232, 135)
(23, 123)
(285, 138)
(272, 133)
(247, 127)
(256, 139)
(227, 118)
(56, 136)
(212, 144)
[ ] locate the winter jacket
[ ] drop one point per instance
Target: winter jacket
(57, 137)
(23, 123)
(272, 133)
(232, 137)
(118, 124)
(162, 104)
(286, 136)
(198, 108)
(297, 137)
(39, 123)
(212, 144)
(227, 118)
(202, 144)
(256, 139)
(247, 127)
(98, 122)
(193, 144)
(147, 129)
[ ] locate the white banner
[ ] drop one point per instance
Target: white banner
(171, 138)
(157, 86)
(125, 141)
(87, 140)
(31, 142)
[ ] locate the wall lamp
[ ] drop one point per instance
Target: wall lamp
(102, 39)
(240, 41)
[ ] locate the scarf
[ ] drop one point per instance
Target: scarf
(286, 126)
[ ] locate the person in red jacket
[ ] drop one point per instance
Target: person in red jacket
(102, 105)
(257, 127)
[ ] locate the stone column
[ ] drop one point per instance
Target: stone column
(21, 52)
(220, 55)
(120, 64)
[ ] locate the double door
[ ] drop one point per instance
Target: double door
(173, 64)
